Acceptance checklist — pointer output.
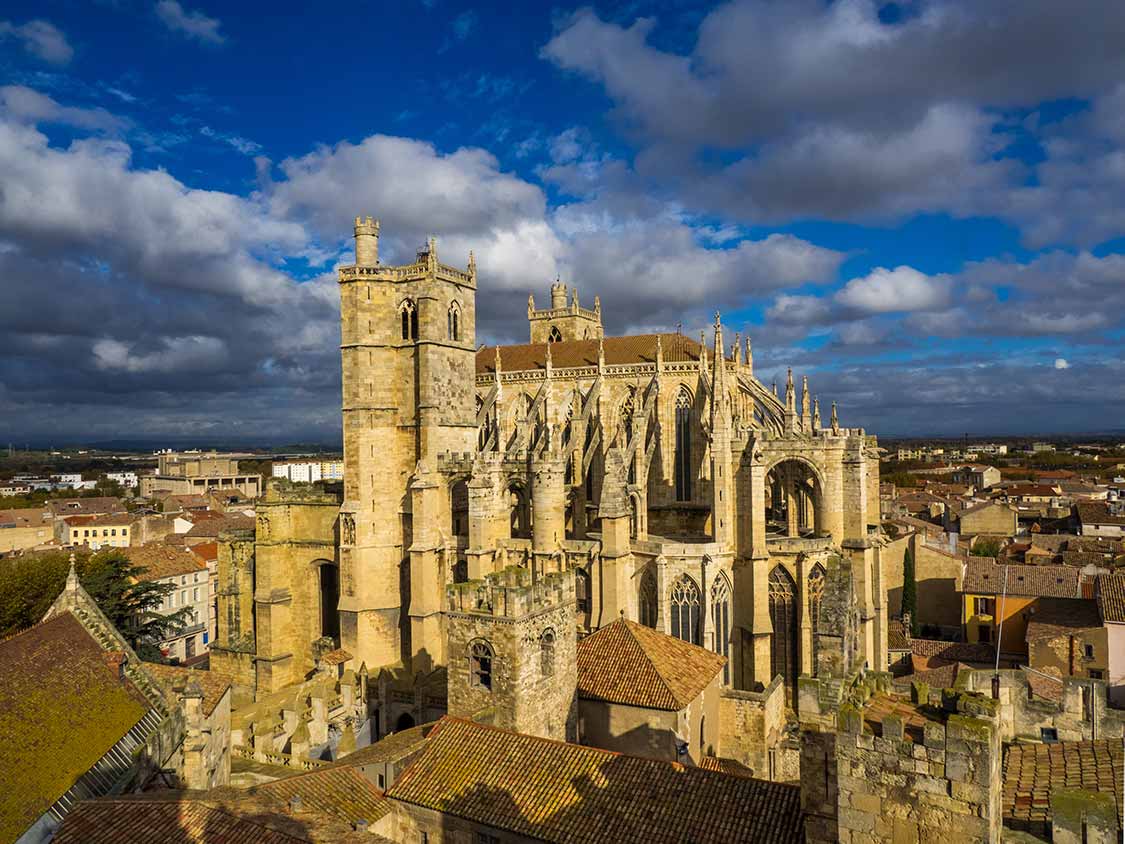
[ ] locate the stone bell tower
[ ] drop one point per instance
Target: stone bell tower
(407, 349)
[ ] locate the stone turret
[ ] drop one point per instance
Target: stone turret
(562, 321)
(512, 649)
(366, 242)
(558, 295)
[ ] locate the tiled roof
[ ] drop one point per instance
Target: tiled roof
(1054, 542)
(1111, 597)
(1062, 617)
(61, 709)
(639, 348)
(160, 560)
(1033, 771)
(164, 821)
(213, 527)
(85, 506)
(389, 749)
(206, 551)
(1097, 513)
(941, 677)
(625, 662)
(214, 685)
(725, 766)
(984, 577)
(107, 520)
(341, 793)
(337, 656)
(559, 792)
(22, 518)
(952, 651)
(898, 638)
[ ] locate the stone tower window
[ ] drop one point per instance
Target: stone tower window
(480, 665)
(720, 616)
(408, 314)
(682, 470)
(686, 609)
(454, 319)
(646, 600)
(555, 336)
(582, 590)
(547, 652)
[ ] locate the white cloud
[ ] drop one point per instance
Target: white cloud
(40, 38)
(192, 24)
(1062, 363)
(195, 353)
(900, 289)
(28, 105)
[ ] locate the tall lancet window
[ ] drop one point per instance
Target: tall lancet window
(720, 617)
(683, 445)
(686, 610)
(646, 600)
(454, 319)
(815, 592)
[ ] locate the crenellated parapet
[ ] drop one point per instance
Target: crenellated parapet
(511, 593)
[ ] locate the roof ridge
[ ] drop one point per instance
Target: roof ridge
(663, 680)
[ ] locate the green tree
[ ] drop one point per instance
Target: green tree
(30, 584)
(986, 547)
(910, 591)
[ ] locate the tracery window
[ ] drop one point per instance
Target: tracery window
(686, 610)
(582, 590)
(783, 614)
(555, 336)
(815, 591)
(454, 320)
(720, 618)
(408, 315)
(547, 652)
(682, 471)
(480, 665)
(646, 600)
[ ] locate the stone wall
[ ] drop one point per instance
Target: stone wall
(752, 727)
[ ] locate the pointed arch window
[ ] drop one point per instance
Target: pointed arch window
(686, 611)
(480, 664)
(582, 590)
(454, 320)
(815, 592)
(408, 316)
(646, 600)
(682, 469)
(555, 336)
(547, 652)
(783, 614)
(720, 618)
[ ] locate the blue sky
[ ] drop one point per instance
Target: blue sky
(916, 204)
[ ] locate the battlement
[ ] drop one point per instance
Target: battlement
(284, 491)
(511, 593)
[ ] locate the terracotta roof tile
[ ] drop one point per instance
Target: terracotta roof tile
(638, 348)
(61, 709)
(952, 651)
(1033, 771)
(559, 792)
(22, 518)
(213, 527)
(1111, 597)
(85, 506)
(342, 793)
(393, 747)
(206, 551)
(984, 577)
(625, 662)
(1062, 617)
(214, 685)
(159, 560)
(1097, 512)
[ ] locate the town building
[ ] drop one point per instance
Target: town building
(114, 530)
(128, 480)
(1098, 519)
(190, 579)
(194, 472)
(309, 471)
(24, 529)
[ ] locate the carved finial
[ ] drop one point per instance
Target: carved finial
(432, 244)
(835, 420)
(472, 262)
(574, 298)
(737, 350)
(659, 354)
(774, 387)
(497, 364)
(530, 304)
(702, 351)
(548, 359)
(816, 413)
(805, 417)
(72, 575)
(601, 354)
(749, 356)
(790, 393)
(598, 305)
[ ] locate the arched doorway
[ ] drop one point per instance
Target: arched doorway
(405, 722)
(783, 615)
(329, 591)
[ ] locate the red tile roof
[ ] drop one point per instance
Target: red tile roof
(1033, 771)
(1097, 513)
(160, 560)
(984, 577)
(639, 348)
(625, 662)
(558, 792)
(213, 685)
(1111, 597)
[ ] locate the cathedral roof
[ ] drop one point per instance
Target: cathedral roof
(565, 354)
(628, 663)
(553, 791)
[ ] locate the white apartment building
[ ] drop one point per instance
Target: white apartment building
(309, 471)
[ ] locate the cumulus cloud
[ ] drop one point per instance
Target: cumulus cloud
(900, 289)
(1062, 363)
(25, 104)
(198, 354)
(192, 24)
(41, 39)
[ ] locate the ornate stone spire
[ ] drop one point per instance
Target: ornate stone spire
(720, 394)
(530, 304)
(790, 393)
(72, 576)
(835, 420)
(805, 416)
(659, 354)
(737, 356)
(816, 413)
(702, 351)
(774, 387)
(749, 357)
